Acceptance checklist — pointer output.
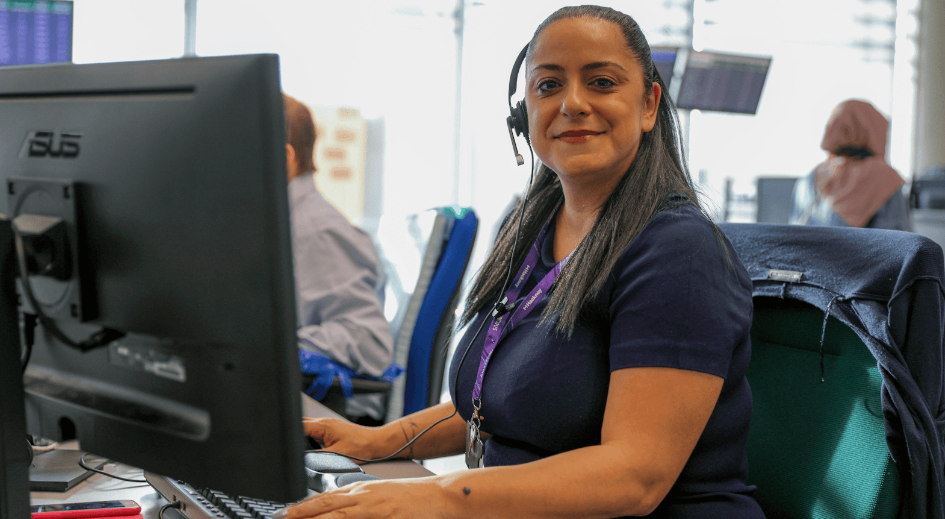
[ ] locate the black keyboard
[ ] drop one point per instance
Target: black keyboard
(210, 504)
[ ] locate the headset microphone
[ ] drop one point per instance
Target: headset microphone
(518, 156)
(518, 115)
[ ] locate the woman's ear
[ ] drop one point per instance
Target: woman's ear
(651, 107)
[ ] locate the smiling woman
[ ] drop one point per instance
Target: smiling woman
(585, 88)
(588, 108)
(615, 359)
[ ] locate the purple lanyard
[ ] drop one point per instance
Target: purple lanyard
(496, 329)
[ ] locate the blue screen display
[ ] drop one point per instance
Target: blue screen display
(665, 59)
(723, 82)
(33, 32)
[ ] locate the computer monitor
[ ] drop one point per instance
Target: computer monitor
(722, 82)
(665, 60)
(927, 194)
(35, 32)
(775, 199)
(154, 198)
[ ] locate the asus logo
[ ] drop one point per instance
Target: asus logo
(51, 144)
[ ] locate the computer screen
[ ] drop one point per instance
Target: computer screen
(35, 32)
(775, 199)
(153, 197)
(927, 194)
(665, 60)
(722, 82)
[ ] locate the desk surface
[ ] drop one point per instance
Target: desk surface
(103, 488)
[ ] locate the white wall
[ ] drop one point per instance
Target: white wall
(121, 30)
(392, 64)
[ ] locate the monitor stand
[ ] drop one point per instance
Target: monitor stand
(58, 470)
(15, 451)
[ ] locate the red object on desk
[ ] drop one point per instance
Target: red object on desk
(90, 510)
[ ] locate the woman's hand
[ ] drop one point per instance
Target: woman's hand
(446, 439)
(344, 437)
(400, 498)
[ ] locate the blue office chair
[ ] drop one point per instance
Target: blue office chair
(422, 325)
(846, 371)
(422, 336)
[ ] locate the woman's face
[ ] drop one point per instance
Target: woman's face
(587, 105)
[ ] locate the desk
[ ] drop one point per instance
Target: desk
(104, 488)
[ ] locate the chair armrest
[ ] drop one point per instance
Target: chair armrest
(364, 386)
(361, 386)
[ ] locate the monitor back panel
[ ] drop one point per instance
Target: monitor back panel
(178, 168)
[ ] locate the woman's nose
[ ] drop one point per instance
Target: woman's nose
(575, 102)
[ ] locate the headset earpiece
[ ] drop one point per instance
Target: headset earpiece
(517, 121)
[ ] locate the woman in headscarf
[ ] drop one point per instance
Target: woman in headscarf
(854, 187)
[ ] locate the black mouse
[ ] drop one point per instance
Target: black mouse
(327, 471)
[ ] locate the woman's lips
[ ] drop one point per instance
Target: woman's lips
(576, 136)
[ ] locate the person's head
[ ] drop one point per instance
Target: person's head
(855, 130)
(591, 91)
(589, 69)
(299, 137)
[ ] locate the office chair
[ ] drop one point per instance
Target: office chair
(423, 336)
(423, 321)
(846, 371)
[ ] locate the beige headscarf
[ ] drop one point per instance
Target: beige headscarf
(856, 188)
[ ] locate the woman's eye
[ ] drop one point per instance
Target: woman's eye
(603, 82)
(546, 85)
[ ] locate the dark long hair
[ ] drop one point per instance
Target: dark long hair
(658, 172)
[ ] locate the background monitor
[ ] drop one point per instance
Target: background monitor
(927, 207)
(35, 32)
(168, 183)
(722, 82)
(775, 199)
(665, 60)
(927, 194)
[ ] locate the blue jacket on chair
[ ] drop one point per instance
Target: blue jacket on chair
(888, 287)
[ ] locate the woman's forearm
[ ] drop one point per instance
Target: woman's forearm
(445, 439)
(601, 481)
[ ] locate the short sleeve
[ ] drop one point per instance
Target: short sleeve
(681, 298)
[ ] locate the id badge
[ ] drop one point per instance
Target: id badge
(474, 447)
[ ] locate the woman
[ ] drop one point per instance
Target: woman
(854, 187)
(621, 392)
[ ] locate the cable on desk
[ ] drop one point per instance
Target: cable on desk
(175, 504)
(97, 471)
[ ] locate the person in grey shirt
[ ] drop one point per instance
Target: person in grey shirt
(337, 271)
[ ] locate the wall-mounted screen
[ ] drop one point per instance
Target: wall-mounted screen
(33, 32)
(723, 82)
(665, 60)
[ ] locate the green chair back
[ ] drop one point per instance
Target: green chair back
(816, 449)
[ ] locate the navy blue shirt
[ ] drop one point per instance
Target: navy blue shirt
(675, 298)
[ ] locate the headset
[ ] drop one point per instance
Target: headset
(518, 117)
